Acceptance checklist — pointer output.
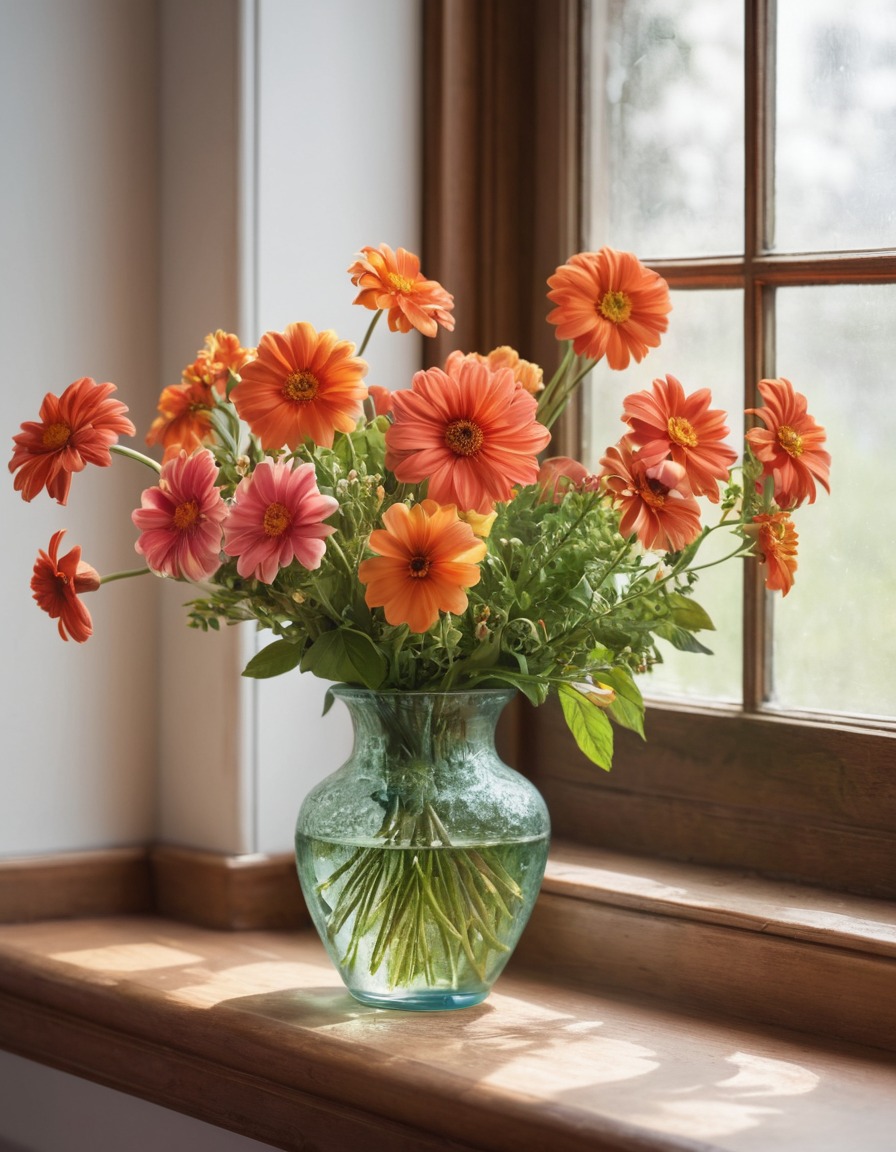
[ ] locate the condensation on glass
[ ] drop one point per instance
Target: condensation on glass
(835, 126)
(666, 163)
(835, 633)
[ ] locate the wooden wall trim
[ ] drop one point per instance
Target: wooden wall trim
(228, 892)
(215, 890)
(75, 884)
(815, 803)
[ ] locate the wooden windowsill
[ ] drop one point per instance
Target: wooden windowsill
(253, 1031)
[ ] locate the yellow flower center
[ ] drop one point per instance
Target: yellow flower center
(301, 386)
(790, 440)
(277, 518)
(186, 515)
(418, 567)
(682, 432)
(464, 437)
(615, 307)
(56, 435)
(400, 283)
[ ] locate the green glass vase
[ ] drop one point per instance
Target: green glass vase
(421, 857)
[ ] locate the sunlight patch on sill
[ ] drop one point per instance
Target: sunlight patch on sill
(138, 957)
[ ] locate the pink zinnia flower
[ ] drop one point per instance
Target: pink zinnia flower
(790, 446)
(75, 429)
(277, 518)
(56, 584)
(656, 502)
(471, 432)
(667, 423)
(180, 519)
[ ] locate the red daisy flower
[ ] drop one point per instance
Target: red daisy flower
(57, 583)
(776, 544)
(656, 502)
(471, 432)
(392, 280)
(74, 430)
(609, 305)
(789, 447)
(302, 385)
(666, 423)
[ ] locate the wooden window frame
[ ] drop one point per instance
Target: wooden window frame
(788, 795)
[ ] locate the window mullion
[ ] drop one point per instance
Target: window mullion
(759, 54)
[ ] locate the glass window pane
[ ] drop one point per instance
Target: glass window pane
(835, 125)
(703, 349)
(835, 633)
(666, 164)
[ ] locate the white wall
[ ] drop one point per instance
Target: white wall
(78, 297)
(178, 165)
(171, 166)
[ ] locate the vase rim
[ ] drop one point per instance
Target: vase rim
(341, 690)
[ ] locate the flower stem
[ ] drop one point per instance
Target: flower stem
(133, 454)
(369, 332)
(124, 575)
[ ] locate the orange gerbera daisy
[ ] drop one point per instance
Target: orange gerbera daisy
(471, 432)
(656, 501)
(302, 385)
(776, 544)
(74, 430)
(790, 446)
(526, 374)
(426, 558)
(57, 583)
(221, 355)
(666, 423)
(609, 305)
(185, 421)
(392, 280)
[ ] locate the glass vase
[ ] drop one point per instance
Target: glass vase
(421, 857)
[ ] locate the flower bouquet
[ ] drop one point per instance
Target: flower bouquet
(418, 541)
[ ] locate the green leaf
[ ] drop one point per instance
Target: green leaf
(628, 707)
(687, 613)
(346, 655)
(589, 725)
(279, 657)
(680, 638)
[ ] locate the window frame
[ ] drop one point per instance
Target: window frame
(787, 794)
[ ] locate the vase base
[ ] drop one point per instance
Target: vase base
(423, 1001)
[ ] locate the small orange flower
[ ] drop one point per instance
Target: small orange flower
(392, 280)
(609, 305)
(221, 354)
(656, 502)
(185, 421)
(667, 423)
(526, 374)
(302, 385)
(381, 397)
(790, 446)
(75, 429)
(471, 433)
(426, 558)
(777, 547)
(56, 585)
